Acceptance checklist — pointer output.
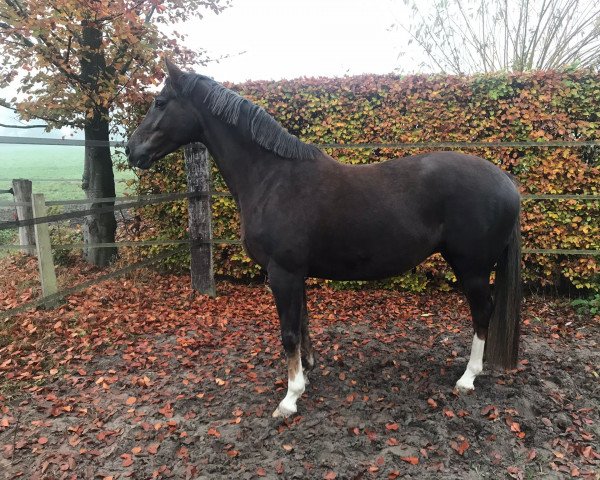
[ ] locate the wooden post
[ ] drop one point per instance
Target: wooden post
(22, 193)
(44, 251)
(197, 164)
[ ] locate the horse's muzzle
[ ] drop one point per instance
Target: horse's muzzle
(138, 159)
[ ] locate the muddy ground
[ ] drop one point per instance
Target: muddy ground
(140, 378)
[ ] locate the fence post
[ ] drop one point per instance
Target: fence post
(22, 193)
(44, 251)
(197, 164)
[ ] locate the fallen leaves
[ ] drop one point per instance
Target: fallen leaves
(163, 378)
(448, 413)
(490, 411)
(183, 453)
(515, 472)
(152, 449)
(7, 451)
(460, 446)
(127, 460)
(515, 427)
(166, 410)
(546, 421)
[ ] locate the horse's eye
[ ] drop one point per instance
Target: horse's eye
(159, 103)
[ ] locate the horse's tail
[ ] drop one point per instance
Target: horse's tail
(502, 346)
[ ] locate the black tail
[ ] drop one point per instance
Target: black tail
(502, 346)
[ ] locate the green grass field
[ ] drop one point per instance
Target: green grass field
(54, 170)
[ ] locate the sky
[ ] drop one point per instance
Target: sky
(275, 39)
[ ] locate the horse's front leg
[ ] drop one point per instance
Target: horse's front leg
(308, 355)
(288, 290)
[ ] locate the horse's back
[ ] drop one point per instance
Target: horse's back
(437, 186)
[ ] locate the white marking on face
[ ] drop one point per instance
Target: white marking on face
(474, 367)
(295, 389)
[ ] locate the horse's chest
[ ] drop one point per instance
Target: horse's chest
(252, 245)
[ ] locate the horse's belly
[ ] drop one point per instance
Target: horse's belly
(364, 264)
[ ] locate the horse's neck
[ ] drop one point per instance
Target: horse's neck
(242, 163)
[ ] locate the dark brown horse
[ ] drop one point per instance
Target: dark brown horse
(304, 214)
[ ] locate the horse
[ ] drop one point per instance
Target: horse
(304, 214)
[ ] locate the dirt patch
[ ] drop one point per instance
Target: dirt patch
(144, 380)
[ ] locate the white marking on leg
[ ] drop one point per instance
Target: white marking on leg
(474, 367)
(310, 359)
(295, 389)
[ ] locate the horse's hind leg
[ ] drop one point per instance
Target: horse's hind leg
(477, 290)
(288, 290)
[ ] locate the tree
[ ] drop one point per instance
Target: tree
(467, 36)
(81, 63)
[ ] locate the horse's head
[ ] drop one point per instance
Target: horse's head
(170, 123)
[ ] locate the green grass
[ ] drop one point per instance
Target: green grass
(7, 237)
(54, 170)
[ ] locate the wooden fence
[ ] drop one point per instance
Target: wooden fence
(34, 237)
(32, 221)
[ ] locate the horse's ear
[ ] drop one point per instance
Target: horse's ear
(174, 72)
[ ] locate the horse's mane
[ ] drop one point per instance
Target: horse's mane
(264, 129)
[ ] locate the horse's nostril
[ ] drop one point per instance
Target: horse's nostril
(127, 151)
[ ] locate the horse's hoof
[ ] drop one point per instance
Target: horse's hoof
(283, 412)
(464, 387)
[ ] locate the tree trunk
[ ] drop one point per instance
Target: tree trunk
(98, 177)
(99, 182)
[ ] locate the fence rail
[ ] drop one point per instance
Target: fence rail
(61, 180)
(214, 193)
(130, 243)
(138, 198)
(109, 208)
(66, 142)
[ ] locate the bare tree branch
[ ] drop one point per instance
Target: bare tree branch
(465, 36)
(23, 126)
